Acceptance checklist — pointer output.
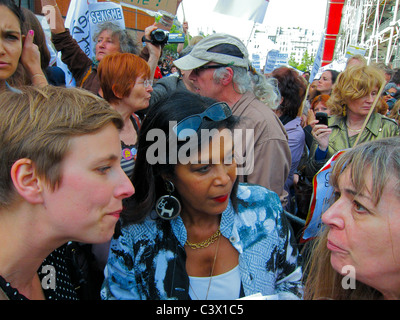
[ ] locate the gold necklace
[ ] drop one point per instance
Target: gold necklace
(206, 243)
(353, 130)
(212, 268)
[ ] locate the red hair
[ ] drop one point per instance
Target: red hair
(118, 73)
(323, 98)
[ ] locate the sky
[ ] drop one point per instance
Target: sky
(308, 14)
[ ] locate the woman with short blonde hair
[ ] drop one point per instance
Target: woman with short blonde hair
(60, 181)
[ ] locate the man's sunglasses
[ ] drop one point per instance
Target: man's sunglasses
(216, 112)
(214, 66)
(387, 93)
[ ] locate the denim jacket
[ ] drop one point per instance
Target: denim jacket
(147, 260)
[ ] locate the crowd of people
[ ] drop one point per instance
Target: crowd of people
(194, 178)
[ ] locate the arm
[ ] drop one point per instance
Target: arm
(151, 53)
(72, 55)
(185, 28)
(53, 16)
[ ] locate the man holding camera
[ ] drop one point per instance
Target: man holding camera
(221, 70)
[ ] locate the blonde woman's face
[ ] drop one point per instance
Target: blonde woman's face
(361, 106)
(364, 235)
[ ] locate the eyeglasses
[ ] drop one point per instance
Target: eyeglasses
(214, 66)
(216, 112)
(148, 83)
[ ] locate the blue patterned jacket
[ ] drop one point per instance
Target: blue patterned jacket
(147, 260)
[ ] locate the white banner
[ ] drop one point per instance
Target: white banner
(249, 9)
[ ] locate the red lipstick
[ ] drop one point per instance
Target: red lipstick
(221, 199)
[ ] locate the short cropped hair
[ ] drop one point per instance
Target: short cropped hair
(118, 73)
(353, 83)
(38, 124)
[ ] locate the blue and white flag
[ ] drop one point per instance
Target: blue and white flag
(317, 60)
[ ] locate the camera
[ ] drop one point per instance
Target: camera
(159, 37)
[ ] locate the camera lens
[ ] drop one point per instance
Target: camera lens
(159, 36)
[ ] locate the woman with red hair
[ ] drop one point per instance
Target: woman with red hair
(124, 82)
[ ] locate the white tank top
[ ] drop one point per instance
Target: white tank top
(224, 286)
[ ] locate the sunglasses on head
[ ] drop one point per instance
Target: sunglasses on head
(216, 112)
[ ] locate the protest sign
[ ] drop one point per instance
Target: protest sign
(275, 59)
(154, 5)
(255, 61)
(270, 61)
(321, 199)
(101, 12)
(353, 50)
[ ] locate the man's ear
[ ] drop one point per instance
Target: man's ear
(228, 77)
(26, 182)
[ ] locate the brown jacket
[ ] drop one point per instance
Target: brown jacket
(272, 158)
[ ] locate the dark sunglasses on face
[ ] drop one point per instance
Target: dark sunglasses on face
(216, 112)
(214, 66)
(386, 93)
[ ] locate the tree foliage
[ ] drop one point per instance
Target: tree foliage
(305, 64)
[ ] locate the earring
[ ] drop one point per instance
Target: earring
(168, 207)
(344, 110)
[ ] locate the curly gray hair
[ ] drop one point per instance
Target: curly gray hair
(265, 89)
(127, 43)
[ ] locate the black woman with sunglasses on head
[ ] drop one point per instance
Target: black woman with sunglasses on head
(191, 230)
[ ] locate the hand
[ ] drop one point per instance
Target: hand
(154, 50)
(310, 117)
(321, 133)
(185, 27)
(30, 59)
